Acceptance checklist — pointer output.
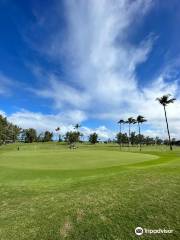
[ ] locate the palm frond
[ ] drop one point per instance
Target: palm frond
(131, 120)
(141, 119)
(121, 121)
(164, 100)
(171, 100)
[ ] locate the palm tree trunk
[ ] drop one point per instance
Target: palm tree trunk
(139, 136)
(120, 135)
(129, 135)
(170, 145)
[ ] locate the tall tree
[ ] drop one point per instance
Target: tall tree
(133, 138)
(8, 132)
(130, 121)
(72, 137)
(140, 119)
(30, 135)
(122, 137)
(57, 130)
(120, 122)
(164, 101)
(47, 136)
(77, 127)
(93, 138)
(158, 141)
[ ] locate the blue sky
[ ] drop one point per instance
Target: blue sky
(89, 62)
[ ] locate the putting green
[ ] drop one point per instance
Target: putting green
(70, 159)
(48, 191)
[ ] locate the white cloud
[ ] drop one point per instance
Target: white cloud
(101, 61)
(26, 119)
(43, 122)
(103, 132)
(101, 64)
(65, 96)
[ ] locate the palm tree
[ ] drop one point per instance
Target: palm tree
(164, 101)
(57, 130)
(121, 121)
(140, 119)
(130, 121)
(77, 126)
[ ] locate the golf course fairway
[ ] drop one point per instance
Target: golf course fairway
(49, 192)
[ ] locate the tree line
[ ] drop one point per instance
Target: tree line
(123, 138)
(139, 120)
(30, 135)
(165, 100)
(10, 133)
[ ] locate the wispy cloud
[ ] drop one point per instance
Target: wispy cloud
(5, 84)
(100, 61)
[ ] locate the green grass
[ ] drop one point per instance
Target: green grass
(49, 192)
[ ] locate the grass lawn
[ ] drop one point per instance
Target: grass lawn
(49, 192)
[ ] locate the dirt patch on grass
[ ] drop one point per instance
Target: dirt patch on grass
(66, 228)
(80, 215)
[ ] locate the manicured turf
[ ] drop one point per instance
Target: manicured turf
(49, 192)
